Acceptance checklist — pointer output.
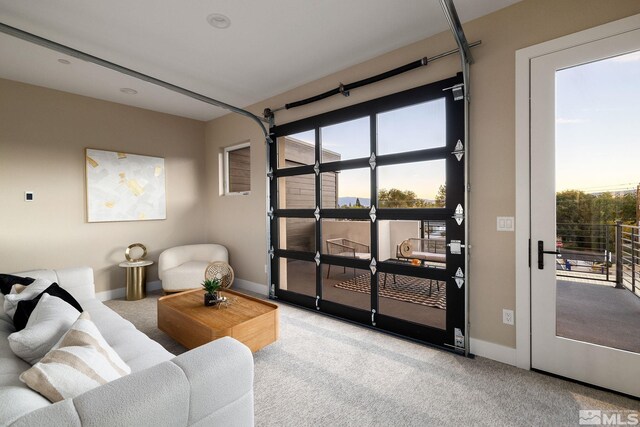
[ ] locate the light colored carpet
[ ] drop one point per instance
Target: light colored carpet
(324, 371)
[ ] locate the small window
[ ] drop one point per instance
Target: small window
(237, 169)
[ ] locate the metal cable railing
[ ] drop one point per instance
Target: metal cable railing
(586, 251)
(601, 252)
(627, 265)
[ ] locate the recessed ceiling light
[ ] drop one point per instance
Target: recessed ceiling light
(218, 20)
(128, 91)
(64, 61)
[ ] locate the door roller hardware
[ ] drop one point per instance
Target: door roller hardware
(541, 253)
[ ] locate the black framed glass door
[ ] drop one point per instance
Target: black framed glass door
(366, 210)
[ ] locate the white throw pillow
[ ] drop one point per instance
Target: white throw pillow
(48, 322)
(12, 299)
(81, 361)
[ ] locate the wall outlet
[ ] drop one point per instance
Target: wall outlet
(507, 316)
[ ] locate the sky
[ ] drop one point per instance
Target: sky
(598, 125)
(411, 128)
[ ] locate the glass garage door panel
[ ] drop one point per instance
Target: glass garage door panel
(415, 243)
(348, 286)
(416, 185)
(346, 140)
(298, 234)
(346, 189)
(296, 150)
(412, 128)
(298, 276)
(297, 192)
(415, 299)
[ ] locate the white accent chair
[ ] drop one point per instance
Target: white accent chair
(182, 268)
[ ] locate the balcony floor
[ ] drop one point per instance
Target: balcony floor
(598, 313)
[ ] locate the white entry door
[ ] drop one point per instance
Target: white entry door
(585, 165)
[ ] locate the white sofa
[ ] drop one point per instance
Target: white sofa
(209, 386)
(182, 267)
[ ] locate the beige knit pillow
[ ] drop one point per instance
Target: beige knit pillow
(79, 362)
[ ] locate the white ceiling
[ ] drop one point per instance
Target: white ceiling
(270, 47)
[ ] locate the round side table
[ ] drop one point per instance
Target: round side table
(136, 278)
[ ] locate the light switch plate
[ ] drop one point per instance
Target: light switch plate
(505, 223)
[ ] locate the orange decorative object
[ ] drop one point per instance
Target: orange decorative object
(415, 261)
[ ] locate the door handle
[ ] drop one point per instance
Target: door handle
(541, 253)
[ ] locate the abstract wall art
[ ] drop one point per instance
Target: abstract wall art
(124, 187)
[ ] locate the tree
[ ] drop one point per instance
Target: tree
(628, 208)
(395, 198)
(580, 217)
(441, 197)
(358, 205)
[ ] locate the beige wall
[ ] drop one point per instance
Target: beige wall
(43, 134)
(239, 222)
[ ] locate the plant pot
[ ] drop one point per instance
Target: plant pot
(210, 299)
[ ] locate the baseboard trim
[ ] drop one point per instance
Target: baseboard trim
(493, 351)
(247, 285)
(121, 292)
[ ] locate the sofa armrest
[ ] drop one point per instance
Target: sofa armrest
(209, 385)
(220, 375)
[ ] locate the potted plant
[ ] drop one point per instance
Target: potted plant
(212, 286)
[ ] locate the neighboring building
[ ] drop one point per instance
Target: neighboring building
(299, 193)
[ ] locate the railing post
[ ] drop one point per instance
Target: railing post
(606, 249)
(619, 255)
(633, 260)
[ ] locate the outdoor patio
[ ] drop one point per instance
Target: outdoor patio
(599, 313)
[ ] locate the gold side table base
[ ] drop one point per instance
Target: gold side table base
(136, 279)
(136, 283)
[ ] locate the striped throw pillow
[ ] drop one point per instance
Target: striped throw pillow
(79, 362)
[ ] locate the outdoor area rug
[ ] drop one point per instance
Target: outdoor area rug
(410, 289)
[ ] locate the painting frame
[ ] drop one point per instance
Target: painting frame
(122, 187)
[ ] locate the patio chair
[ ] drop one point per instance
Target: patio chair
(347, 248)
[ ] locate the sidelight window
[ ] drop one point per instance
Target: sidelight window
(237, 169)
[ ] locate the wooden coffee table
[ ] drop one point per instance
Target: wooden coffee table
(184, 317)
